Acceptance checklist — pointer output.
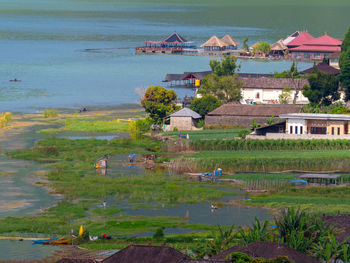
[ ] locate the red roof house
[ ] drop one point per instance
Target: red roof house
(316, 48)
(303, 38)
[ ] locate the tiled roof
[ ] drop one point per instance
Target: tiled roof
(324, 40)
(146, 254)
(271, 83)
(301, 39)
(324, 67)
(186, 112)
(317, 48)
(265, 110)
(316, 116)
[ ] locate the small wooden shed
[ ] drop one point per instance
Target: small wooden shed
(183, 120)
(325, 179)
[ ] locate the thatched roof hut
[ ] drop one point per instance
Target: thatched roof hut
(230, 41)
(214, 43)
(279, 46)
(268, 250)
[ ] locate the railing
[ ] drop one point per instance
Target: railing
(160, 49)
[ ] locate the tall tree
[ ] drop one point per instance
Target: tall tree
(323, 89)
(223, 83)
(226, 67)
(263, 47)
(159, 102)
(205, 104)
(225, 88)
(344, 63)
(245, 44)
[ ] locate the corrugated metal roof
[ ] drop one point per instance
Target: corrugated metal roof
(316, 116)
(186, 112)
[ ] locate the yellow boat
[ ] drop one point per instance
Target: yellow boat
(59, 241)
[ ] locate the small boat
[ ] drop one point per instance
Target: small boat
(212, 206)
(15, 80)
(59, 241)
(43, 240)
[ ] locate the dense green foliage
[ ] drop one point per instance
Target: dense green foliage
(223, 83)
(344, 63)
(50, 113)
(225, 88)
(335, 108)
(245, 44)
(226, 67)
(159, 102)
(285, 96)
(323, 89)
(205, 104)
(261, 46)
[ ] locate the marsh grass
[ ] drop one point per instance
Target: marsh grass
(267, 160)
(254, 145)
(50, 113)
(90, 124)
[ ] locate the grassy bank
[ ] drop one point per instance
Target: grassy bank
(208, 134)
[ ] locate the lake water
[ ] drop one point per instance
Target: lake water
(42, 43)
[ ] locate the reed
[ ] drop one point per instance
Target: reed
(50, 113)
(5, 118)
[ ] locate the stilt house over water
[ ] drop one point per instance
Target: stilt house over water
(173, 44)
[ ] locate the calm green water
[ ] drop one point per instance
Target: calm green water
(42, 43)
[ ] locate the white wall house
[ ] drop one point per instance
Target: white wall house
(266, 90)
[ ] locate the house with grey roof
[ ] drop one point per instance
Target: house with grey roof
(183, 120)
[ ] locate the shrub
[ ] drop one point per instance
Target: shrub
(141, 125)
(50, 113)
(239, 257)
(159, 234)
(5, 118)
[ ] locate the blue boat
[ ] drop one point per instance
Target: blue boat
(42, 241)
(298, 181)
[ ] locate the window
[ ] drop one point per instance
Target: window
(291, 129)
(318, 130)
(332, 130)
(296, 129)
(301, 129)
(338, 130)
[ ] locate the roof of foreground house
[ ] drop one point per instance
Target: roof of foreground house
(146, 254)
(186, 112)
(268, 250)
(229, 40)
